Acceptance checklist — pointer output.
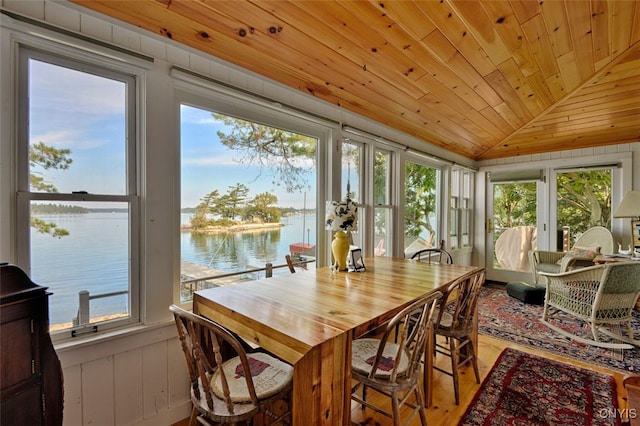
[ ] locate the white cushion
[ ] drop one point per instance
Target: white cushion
(269, 374)
(364, 353)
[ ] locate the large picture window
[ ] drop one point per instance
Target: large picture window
(248, 198)
(421, 210)
(77, 197)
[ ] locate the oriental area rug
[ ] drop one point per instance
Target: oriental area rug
(526, 390)
(507, 318)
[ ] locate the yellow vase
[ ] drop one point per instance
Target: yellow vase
(340, 249)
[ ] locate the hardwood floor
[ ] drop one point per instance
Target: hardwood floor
(444, 411)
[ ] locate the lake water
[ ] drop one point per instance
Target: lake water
(94, 257)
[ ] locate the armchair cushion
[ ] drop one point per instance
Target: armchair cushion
(578, 257)
(580, 253)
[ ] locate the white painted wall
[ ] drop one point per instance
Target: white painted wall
(138, 376)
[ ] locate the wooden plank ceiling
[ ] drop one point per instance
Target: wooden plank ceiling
(484, 79)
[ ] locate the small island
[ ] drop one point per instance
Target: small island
(231, 227)
(235, 212)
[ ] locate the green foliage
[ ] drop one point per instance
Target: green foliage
(584, 200)
(46, 157)
(380, 178)
(514, 204)
(222, 222)
(420, 189)
(48, 228)
(279, 151)
(260, 208)
(234, 205)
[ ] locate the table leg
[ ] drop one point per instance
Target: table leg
(428, 367)
(322, 384)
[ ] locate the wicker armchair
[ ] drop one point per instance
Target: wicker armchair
(598, 237)
(602, 296)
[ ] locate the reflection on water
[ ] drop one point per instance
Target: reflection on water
(239, 251)
(95, 257)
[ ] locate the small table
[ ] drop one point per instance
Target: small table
(309, 319)
(610, 258)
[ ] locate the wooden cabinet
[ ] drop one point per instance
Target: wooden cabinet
(30, 372)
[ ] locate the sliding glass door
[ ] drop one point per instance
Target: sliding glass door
(528, 212)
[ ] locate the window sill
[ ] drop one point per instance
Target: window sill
(92, 347)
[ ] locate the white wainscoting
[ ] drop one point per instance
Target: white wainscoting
(138, 378)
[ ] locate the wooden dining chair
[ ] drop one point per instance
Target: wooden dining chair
(293, 264)
(456, 321)
(394, 369)
(434, 255)
(292, 267)
(222, 392)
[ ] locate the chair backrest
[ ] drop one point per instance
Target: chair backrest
(433, 255)
(621, 278)
(414, 323)
(290, 264)
(460, 300)
(202, 342)
(293, 264)
(597, 236)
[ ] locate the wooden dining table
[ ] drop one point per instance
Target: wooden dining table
(310, 318)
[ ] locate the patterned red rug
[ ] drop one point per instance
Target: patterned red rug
(525, 390)
(507, 318)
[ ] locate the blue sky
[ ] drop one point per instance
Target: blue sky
(213, 166)
(64, 113)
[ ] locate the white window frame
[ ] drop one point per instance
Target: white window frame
(388, 205)
(104, 67)
(461, 203)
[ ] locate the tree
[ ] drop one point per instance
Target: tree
(261, 207)
(514, 204)
(235, 200)
(584, 199)
(46, 157)
(420, 189)
(278, 150)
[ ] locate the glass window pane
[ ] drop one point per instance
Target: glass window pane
(248, 197)
(77, 131)
(584, 201)
(351, 163)
(420, 221)
(381, 178)
(515, 221)
(92, 256)
(382, 230)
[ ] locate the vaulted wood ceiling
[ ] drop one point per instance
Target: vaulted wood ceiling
(484, 79)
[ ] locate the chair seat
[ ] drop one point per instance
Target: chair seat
(552, 268)
(269, 374)
(364, 353)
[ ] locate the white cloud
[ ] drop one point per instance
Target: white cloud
(210, 161)
(66, 138)
(75, 91)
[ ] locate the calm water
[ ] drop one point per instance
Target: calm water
(94, 257)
